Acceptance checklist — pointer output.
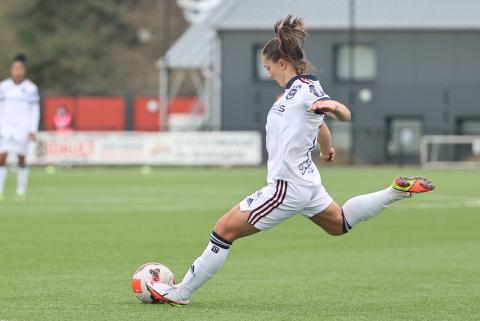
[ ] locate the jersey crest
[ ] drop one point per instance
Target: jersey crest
(291, 93)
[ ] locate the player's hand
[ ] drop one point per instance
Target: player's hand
(323, 106)
(328, 155)
(32, 137)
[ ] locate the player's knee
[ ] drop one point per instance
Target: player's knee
(335, 232)
(335, 229)
(224, 229)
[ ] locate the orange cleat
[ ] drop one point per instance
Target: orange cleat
(413, 184)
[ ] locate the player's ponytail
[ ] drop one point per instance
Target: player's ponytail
(288, 44)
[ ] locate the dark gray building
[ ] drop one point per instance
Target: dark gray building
(414, 68)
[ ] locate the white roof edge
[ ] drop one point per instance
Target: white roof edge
(365, 28)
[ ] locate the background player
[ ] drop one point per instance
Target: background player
(19, 117)
(294, 184)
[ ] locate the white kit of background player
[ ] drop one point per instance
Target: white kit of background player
(19, 118)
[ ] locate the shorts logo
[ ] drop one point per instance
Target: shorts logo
(269, 205)
(215, 249)
(291, 93)
(249, 201)
(315, 91)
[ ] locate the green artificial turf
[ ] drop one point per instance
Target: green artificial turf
(68, 252)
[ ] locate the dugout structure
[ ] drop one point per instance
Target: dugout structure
(192, 57)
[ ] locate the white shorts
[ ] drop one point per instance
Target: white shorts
(14, 146)
(277, 202)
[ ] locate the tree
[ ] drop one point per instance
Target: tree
(91, 46)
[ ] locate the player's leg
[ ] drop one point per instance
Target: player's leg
(3, 172)
(330, 219)
(338, 220)
(261, 210)
(22, 176)
(231, 226)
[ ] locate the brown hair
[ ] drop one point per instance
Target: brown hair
(20, 58)
(288, 44)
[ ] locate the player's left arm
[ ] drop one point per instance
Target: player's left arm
(324, 138)
(320, 103)
(34, 114)
(337, 109)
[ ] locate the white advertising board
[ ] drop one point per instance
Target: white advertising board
(134, 148)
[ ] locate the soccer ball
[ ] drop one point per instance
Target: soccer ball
(155, 273)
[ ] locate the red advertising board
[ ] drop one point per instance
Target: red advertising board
(100, 113)
(146, 111)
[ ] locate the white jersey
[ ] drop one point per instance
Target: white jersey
(19, 109)
(292, 132)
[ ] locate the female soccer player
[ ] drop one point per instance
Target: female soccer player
(294, 186)
(19, 116)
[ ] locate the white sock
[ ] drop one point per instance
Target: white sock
(3, 176)
(364, 207)
(22, 180)
(205, 266)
